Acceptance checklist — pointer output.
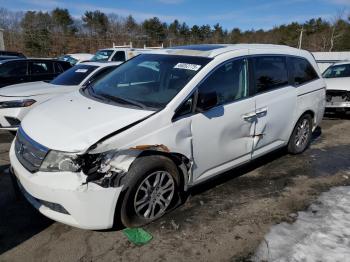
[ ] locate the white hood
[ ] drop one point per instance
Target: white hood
(28, 89)
(73, 122)
(341, 83)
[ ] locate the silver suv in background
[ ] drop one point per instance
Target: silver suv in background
(337, 78)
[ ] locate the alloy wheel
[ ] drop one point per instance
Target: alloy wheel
(154, 195)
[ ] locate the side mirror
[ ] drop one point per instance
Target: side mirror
(206, 101)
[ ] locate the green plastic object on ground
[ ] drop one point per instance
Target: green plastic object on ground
(138, 236)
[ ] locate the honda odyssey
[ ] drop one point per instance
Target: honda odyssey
(127, 146)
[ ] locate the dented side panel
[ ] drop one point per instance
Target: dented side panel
(222, 138)
(173, 138)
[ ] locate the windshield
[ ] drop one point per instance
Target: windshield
(102, 55)
(68, 58)
(337, 71)
(74, 76)
(148, 80)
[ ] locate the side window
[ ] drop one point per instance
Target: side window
(13, 69)
(270, 72)
(119, 56)
(58, 68)
(229, 81)
(41, 68)
(301, 70)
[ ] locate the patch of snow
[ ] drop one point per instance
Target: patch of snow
(322, 233)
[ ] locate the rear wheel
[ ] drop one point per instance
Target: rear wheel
(301, 136)
(153, 183)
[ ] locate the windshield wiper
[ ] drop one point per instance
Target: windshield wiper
(123, 100)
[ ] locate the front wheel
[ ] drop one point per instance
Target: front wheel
(153, 183)
(301, 136)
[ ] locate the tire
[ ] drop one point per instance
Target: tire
(143, 204)
(301, 136)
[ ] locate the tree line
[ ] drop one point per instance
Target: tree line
(50, 34)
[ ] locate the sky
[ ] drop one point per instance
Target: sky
(243, 14)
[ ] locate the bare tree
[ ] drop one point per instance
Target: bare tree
(336, 31)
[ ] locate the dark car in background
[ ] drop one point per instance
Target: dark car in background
(7, 57)
(12, 54)
(15, 71)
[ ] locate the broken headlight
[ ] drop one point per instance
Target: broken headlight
(57, 161)
(17, 103)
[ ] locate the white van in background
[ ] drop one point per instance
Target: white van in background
(120, 53)
(128, 145)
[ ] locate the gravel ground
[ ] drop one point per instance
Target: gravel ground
(223, 220)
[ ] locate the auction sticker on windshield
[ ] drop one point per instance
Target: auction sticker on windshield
(188, 66)
(81, 71)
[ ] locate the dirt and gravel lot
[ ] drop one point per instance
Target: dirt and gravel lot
(223, 220)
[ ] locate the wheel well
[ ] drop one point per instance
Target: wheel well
(181, 162)
(312, 114)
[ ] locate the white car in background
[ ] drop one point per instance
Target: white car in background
(74, 59)
(17, 100)
(126, 147)
(337, 78)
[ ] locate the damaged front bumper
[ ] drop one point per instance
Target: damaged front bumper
(64, 197)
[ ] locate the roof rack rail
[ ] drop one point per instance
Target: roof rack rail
(123, 46)
(153, 47)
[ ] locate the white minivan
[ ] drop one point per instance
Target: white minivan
(127, 146)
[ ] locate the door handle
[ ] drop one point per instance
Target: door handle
(261, 111)
(249, 117)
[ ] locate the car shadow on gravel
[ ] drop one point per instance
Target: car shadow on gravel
(19, 221)
(272, 173)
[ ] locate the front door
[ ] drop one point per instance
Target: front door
(223, 135)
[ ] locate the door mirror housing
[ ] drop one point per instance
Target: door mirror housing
(206, 101)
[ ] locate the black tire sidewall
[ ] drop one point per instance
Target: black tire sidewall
(139, 170)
